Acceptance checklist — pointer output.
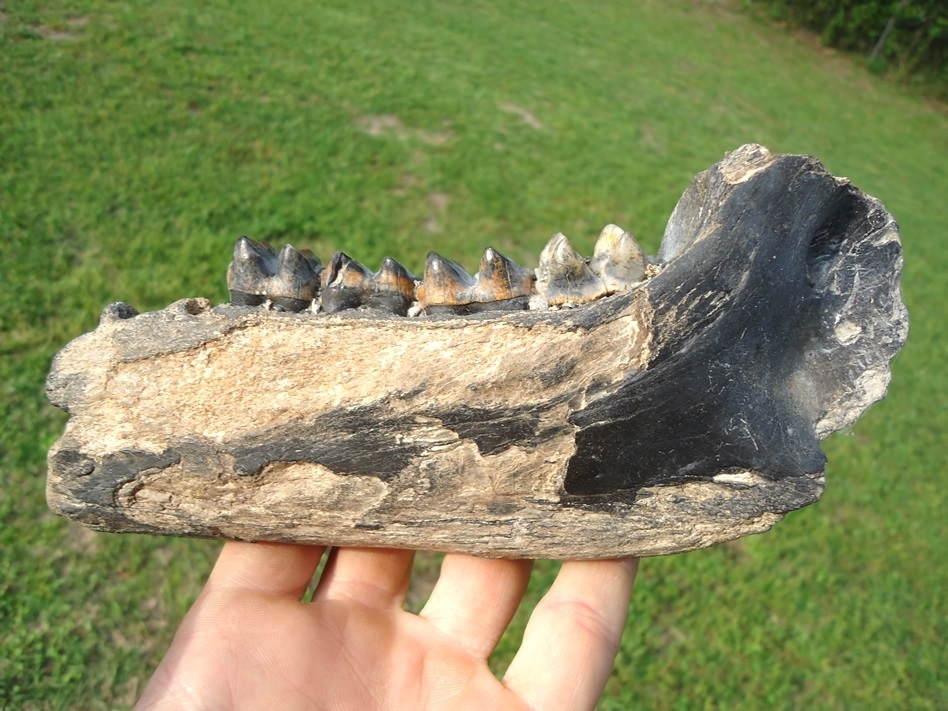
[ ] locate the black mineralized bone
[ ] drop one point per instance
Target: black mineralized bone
(772, 310)
(684, 410)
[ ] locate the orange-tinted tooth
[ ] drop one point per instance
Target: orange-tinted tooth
(500, 279)
(446, 284)
(394, 288)
(345, 284)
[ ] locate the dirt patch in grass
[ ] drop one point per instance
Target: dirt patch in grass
(524, 115)
(390, 125)
(84, 541)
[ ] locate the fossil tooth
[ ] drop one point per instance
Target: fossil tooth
(394, 288)
(348, 284)
(296, 282)
(618, 259)
(249, 272)
(563, 276)
(345, 283)
(501, 283)
(446, 286)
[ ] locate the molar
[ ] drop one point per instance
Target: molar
(618, 259)
(394, 288)
(563, 276)
(345, 283)
(499, 285)
(446, 286)
(501, 280)
(296, 282)
(348, 284)
(247, 275)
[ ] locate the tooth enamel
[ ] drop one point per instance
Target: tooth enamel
(500, 279)
(445, 284)
(247, 275)
(392, 276)
(296, 282)
(393, 288)
(618, 259)
(345, 283)
(563, 276)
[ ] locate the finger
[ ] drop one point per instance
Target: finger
(370, 576)
(273, 568)
(571, 640)
(475, 599)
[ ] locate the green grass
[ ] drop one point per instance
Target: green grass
(139, 139)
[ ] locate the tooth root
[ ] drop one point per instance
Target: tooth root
(563, 276)
(394, 288)
(345, 284)
(296, 282)
(500, 280)
(618, 259)
(446, 286)
(253, 265)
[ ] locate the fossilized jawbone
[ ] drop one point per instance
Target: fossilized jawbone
(593, 408)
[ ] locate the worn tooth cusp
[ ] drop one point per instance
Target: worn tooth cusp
(564, 277)
(446, 286)
(249, 273)
(501, 284)
(394, 288)
(618, 259)
(348, 284)
(345, 284)
(296, 282)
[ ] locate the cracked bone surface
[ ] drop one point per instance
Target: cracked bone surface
(676, 403)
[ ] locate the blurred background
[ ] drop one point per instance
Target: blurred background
(139, 140)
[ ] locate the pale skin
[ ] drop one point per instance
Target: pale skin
(249, 642)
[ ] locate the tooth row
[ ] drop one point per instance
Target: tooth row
(294, 280)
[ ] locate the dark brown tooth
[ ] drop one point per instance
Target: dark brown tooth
(394, 288)
(445, 287)
(618, 259)
(296, 282)
(564, 277)
(345, 284)
(249, 272)
(500, 282)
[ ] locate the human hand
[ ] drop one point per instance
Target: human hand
(250, 643)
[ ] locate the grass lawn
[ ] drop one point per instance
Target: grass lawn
(138, 140)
